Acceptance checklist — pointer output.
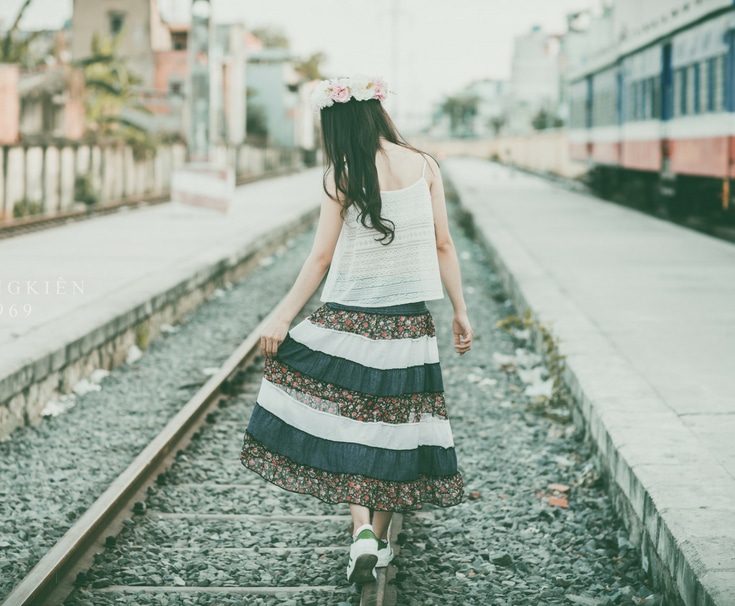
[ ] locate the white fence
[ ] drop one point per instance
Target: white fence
(46, 175)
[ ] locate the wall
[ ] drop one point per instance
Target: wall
(268, 74)
(545, 151)
(9, 104)
(91, 16)
(171, 66)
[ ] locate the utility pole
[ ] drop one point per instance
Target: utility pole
(200, 182)
(395, 61)
(199, 90)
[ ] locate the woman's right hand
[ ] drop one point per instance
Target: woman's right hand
(462, 333)
(272, 336)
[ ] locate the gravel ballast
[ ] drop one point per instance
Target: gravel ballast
(51, 473)
(536, 526)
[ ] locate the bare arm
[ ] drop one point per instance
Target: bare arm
(449, 263)
(309, 278)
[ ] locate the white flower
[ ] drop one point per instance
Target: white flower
(321, 95)
(362, 88)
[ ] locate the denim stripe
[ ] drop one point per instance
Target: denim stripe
(343, 457)
(356, 377)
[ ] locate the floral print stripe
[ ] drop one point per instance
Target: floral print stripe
(329, 487)
(333, 399)
(374, 326)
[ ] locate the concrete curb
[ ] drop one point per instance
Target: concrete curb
(28, 382)
(671, 493)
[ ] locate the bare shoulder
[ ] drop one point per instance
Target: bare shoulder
(433, 172)
(329, 184)
(432, 164)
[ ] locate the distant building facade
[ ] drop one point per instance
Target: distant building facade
(535, 79)
(144, 31)
(52, 103)
(9, 104)
(157, 51)
(273, 88)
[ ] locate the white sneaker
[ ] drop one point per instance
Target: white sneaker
(385, 554)
(363, 556)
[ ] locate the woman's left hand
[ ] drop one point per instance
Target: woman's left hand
(272, 336)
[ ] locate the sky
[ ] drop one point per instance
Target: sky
(441, 45)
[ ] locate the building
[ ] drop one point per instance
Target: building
(9, 104)
(273, 91)
(157, 51)
(535, 79)
(144, 32)
(51, 103)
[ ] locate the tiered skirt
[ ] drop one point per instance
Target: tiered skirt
(352, 410)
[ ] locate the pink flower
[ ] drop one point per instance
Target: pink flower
(380, 89)
(340, 94)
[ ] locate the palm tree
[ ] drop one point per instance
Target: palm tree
(15, 48)
(112, 93)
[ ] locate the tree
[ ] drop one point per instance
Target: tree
(271, 37)
(544, 119)
(461, 110)
(112, 93)
(310, 68)
(256, 121)
(15, 48)
(497, 123)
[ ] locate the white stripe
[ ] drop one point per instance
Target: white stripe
(429, 431)
(699, 126)
(604, 134)
(383, 354)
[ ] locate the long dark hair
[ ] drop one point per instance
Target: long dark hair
(350, 136)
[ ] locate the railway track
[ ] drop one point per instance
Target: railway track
(167, 527)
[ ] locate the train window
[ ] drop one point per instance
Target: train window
(704, 83)
(711, 84)
(636, 104)
(684, 107)
(719, 83)
(692, 87)
(679, 97)
(656, 97)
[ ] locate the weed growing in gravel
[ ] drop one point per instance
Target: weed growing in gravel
(556, 406)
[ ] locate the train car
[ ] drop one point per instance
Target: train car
(656, 124)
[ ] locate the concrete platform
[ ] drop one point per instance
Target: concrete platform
(645, 312)
(99, 286)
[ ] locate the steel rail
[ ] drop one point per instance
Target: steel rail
(84, 536)
(52, 578)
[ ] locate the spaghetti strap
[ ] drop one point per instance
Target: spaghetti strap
(423, 170)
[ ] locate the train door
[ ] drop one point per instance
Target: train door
(588, 114)
(619, 96)
(727, 190)
(667, 84)
(667, 187)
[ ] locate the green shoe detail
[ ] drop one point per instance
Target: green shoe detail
(366, 534)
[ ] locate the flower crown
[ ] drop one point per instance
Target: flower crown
(341, 90)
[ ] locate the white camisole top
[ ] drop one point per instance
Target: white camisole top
(366, 273)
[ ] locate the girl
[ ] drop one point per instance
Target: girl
(351, 407)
